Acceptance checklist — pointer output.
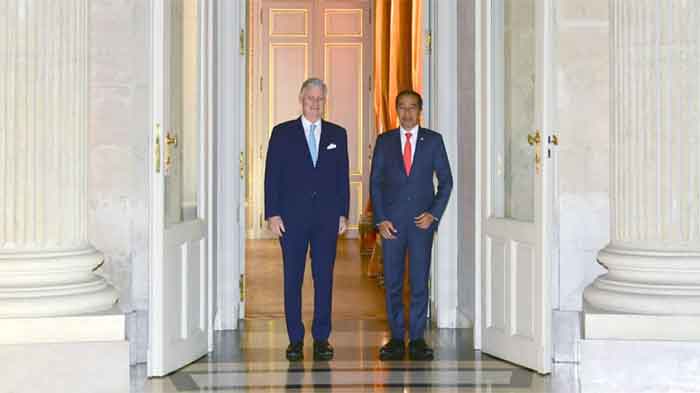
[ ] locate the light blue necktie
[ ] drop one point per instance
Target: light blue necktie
(312, 143)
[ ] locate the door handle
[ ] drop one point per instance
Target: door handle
(171, 142)
(241, 165)
(552, 140)
(536, 140)
(156, 151)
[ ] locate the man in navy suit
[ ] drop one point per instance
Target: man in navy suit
(406, 212)
(307, 196)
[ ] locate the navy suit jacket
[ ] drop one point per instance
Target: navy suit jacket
(397, 197)
(294, 188)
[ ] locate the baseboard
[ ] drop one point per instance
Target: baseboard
(464, 321)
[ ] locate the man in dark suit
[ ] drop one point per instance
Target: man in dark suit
(406, 212)
(307, 196)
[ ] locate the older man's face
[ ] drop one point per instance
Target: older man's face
(312, 100)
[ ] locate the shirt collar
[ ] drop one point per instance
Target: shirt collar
(307, 123)
(413, 131)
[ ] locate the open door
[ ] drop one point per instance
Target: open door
(515, 272)
(179, 278)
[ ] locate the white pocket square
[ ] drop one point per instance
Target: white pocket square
(331, 146)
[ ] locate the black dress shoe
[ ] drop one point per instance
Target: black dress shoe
(323, 351)
(393, 350)
(295, 351)
(419, 350)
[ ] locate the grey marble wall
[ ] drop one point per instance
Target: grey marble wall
(118, 151)
(583, 80)
(583, 123)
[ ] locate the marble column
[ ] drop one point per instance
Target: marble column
(46, 262)
(653, 258)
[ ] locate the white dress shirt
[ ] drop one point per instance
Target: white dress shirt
(414, 138)
(317, 131)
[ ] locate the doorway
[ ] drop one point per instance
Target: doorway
(290, 41)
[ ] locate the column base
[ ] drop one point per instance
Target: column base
(642, 281)
(44, 284)
(77, 354)
(611, 325)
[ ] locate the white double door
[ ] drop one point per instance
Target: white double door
(180, 293)
(295, 40)
(516, 165)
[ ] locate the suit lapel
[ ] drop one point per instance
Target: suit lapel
(323, 142)
(304, 143)
(398, 152)
(418, 148)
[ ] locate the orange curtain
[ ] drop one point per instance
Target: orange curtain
(398, 57)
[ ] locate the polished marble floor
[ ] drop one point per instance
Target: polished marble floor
(265, 300)
(252, 360)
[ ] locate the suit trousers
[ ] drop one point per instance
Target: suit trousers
(418, 244)
(321, 234)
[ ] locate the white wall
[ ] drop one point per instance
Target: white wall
(443, 117)
(118, 146)
(582, 46)
(467, 163)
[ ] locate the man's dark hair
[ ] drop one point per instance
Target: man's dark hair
(410, 93)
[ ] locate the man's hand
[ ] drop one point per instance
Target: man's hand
(276, 225)
(424, 220)
(342, 225)
(387, 230)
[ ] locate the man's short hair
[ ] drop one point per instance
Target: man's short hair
(410, 93)
(313, 82)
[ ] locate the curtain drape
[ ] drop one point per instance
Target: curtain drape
(398, 57)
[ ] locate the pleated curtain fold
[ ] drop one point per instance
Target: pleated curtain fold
(398, 60)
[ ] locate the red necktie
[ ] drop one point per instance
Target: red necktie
(407, 154)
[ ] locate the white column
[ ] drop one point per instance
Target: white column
(46, 262)
(653, 259)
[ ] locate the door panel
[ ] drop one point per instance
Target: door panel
(178, 312)
(288, 69)
(284, 44)
(346, 68)
(495, 282)
(289, 22)
(343, 70)
(344, 22)
(515, 217)
(524, 277)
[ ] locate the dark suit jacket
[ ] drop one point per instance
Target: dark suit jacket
(399, 198)
(294, 188)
